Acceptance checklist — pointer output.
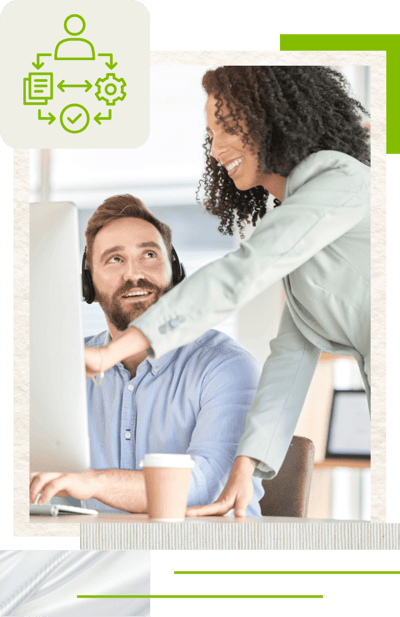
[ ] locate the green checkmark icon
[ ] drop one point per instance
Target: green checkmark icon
(79, 120)
(75, 119)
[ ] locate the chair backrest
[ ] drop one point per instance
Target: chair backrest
(288, 493)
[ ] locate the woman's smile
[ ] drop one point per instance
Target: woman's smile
(227, 146)
(232, 166)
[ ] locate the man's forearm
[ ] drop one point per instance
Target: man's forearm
(122, 489)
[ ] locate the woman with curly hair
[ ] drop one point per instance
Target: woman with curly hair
(293, 132)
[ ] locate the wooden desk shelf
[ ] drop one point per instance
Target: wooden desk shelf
(342, 462)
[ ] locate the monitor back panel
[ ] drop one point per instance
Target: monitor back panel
(59, 438)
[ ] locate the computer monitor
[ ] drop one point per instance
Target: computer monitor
(59, 436)
(349, 434)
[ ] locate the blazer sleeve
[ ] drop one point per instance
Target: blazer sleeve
(282, 389)
(326, 198)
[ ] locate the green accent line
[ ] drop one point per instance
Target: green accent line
(286, 572)
(213, 597)
(361, 42)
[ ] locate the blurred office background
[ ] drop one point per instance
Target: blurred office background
(164, 173)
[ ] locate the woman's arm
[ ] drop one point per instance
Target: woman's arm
(326, 203)
(328, 195)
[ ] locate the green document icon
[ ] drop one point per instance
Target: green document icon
(38, 88)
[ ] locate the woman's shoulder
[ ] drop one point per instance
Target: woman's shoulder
(328, 166)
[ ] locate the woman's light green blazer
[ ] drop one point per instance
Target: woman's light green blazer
(318, 242)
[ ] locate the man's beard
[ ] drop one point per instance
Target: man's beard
(121, 316)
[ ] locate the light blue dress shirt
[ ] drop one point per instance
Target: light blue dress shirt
(193, 400)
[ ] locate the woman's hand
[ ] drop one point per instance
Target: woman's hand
(100, 359)
(93, 361)
(237, 493)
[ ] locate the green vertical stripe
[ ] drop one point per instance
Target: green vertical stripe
(361, 42)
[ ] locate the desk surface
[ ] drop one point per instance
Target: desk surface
(143, 518)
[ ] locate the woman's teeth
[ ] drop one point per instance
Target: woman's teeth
(234, 164)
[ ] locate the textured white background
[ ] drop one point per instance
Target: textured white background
(377, 61)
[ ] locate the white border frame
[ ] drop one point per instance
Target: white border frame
(377, 61)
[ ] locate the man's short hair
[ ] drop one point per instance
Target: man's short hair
(121, 206)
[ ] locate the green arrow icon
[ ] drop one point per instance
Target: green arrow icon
(62, 85)
(110, 64)
(38, 65)
(99, 117)
(50, 117)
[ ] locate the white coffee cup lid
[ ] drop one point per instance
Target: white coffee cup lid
(167, 460)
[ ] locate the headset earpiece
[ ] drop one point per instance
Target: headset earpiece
(88, 291)
(178, 270)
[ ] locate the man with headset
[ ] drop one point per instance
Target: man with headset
(192, 400)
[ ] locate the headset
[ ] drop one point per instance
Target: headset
(88, 292)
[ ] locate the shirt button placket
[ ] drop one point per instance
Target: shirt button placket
(127, 428)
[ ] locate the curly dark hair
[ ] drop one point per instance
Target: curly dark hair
(289, 112)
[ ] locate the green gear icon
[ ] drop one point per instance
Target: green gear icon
(110, 89)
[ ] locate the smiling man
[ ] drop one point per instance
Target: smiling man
(193, 400)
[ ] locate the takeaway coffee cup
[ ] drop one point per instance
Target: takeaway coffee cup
(167, 482)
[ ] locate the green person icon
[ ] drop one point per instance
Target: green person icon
(74, 48)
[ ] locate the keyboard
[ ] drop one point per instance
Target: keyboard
(54, 509)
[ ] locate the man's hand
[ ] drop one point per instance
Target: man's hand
(123, 489)
(79, 485)
(237, 493)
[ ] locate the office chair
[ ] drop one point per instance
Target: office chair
(288, 493)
